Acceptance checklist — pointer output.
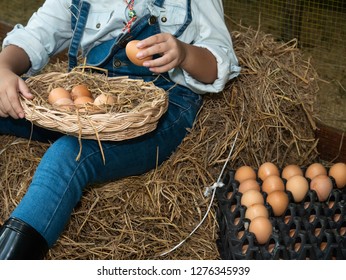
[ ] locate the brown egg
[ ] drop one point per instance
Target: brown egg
(299, 186)
(58, 93)
(63, 104)
(104, 99)
(83, 100)
(79, 91)
(315, 169)
(251, 197)
(262, 228)
(249, 184)
(256, 210)
(131, 52)
(338, 172)
(273, 183)
(278, 200)
(322, 185)
(291, 170)
(244, 172)
(266, 169)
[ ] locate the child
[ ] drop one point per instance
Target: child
(191, 49)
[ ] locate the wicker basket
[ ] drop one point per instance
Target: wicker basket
(138, 107)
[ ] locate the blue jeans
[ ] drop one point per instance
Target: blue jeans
(59, 180)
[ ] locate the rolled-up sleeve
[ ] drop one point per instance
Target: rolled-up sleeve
(213, 35)
(20, 37)
(46, 34)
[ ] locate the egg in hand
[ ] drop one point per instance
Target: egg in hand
(132, 51)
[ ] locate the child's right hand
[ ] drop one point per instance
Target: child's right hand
(11, 86)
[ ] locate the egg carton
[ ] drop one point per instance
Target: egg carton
(307, 230)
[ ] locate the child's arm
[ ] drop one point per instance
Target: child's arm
(13, 62)
(15, 59)
(199, 62)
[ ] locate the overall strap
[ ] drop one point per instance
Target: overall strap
(80, 12)
(74, 8)
(187, 20)
(159, 3)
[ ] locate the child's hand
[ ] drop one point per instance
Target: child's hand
(199, 62)
(172, 52)
(11, 86)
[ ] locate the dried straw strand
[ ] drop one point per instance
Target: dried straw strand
(142, 216)
(138, 107)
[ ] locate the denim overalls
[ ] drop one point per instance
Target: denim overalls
(59, 180)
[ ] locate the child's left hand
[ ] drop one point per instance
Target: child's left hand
(199, 62)
(172, 52)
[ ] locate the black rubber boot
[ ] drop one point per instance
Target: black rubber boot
(20, 241)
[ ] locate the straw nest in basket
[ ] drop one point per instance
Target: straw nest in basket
(136, 108)
(144, 216)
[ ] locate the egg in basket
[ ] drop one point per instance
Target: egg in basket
(93, 106)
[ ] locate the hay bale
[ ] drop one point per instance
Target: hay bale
(144, 216)
(278, 88)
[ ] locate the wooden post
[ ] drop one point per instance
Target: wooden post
(331, 143)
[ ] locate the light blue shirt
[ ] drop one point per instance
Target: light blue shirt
(48, 32)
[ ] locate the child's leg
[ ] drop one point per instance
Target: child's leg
(59, 180)
(23, 128)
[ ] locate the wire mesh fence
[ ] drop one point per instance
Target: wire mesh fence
(320, 28)
(315, 24)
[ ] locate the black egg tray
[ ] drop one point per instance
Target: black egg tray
(307, 230)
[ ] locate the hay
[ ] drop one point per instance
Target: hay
(142, 217)
(137, 106)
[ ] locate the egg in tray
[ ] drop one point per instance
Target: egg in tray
(293, 213)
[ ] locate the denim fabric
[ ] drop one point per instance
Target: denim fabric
(78, 27)
(49, 32)
(60, 179)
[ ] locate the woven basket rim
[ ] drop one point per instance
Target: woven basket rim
(98, 125)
